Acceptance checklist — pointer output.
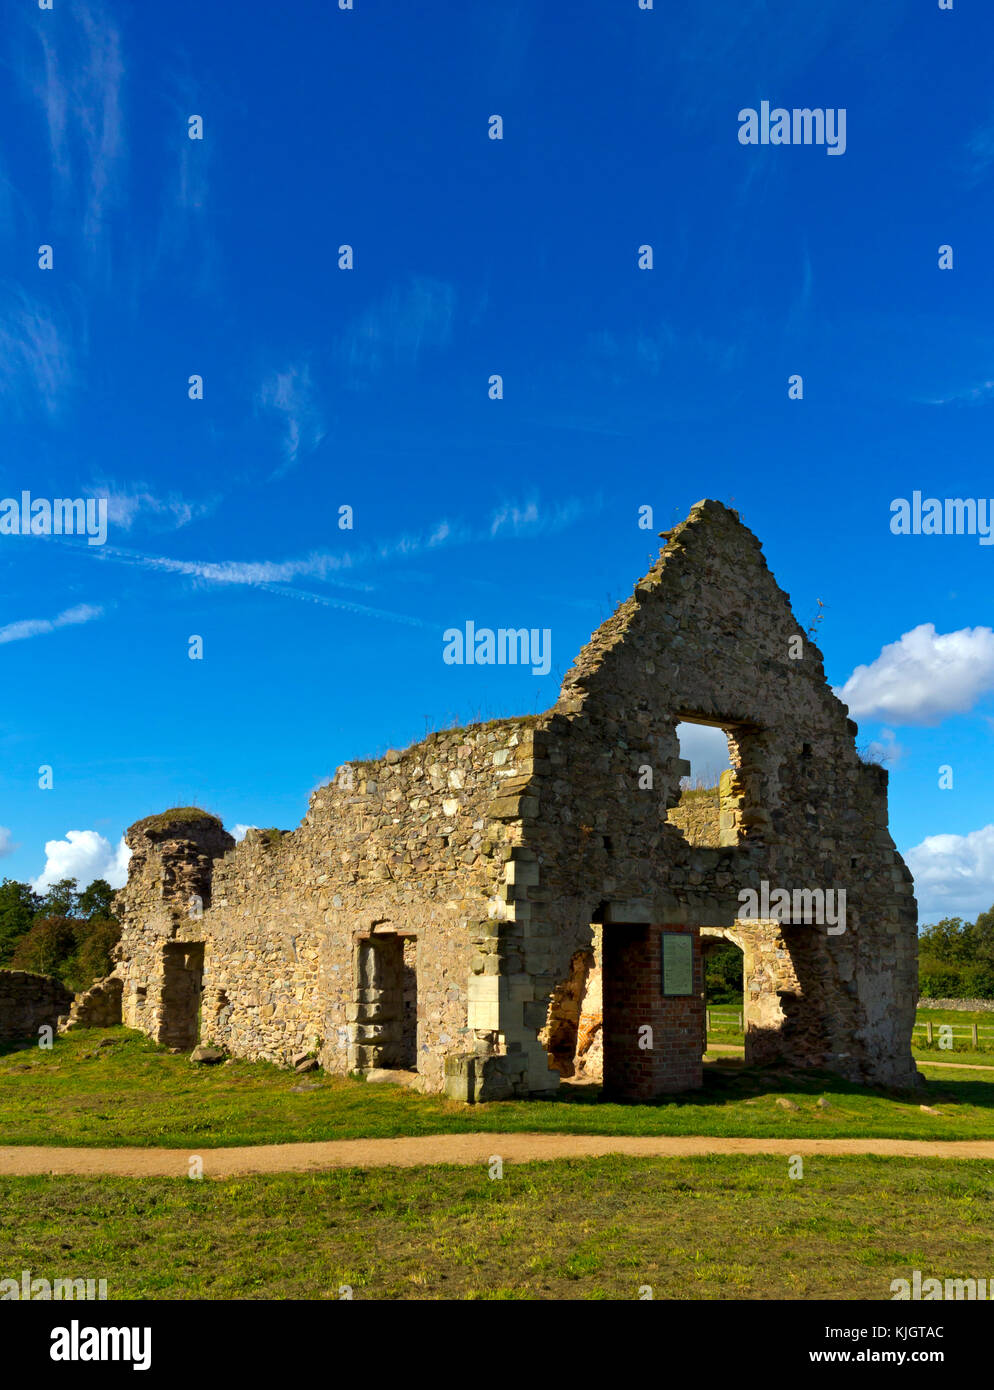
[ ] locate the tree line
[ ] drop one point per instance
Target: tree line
(956, 958)
(66, 931)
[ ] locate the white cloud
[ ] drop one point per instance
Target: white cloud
(979, 158)
(533, 519)
(400, 326)
(886, 749)
(35, 627)
(291, 395)
(84, 855)
(126, 504)
(239, 830)
(81, 95)
(36, 361)
(969, 394)
(923, 676)
(340, 568)
(7, 845)
(954, 874)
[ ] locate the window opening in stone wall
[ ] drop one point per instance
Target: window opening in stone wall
(726, 784)
(697, 815)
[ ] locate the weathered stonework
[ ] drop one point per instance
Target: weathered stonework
(697, 817)
(97, 1007)
(29, 1002)
(445, 909)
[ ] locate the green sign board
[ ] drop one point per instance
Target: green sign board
(678, 963)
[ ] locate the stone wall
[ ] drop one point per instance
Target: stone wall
(168, 891)
(97, 1007)
(697, 817)
(494, 854)
(401, 845)
(708, 635)
(29, 1002)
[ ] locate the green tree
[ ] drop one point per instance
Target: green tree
(19, 905)
(93, 957)
(97, 900)
(64, 932)
(723, 975)
(956, 958)
(61, 899)
(47, 947)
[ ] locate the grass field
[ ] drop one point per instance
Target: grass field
(709, 1228)
(725, 1031)
(130, 1092)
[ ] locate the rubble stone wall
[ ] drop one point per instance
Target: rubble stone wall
(709, 635)
(29, 1002)
(400, 844)
(497, 852)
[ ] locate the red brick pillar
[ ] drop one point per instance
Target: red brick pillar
(652, 1041)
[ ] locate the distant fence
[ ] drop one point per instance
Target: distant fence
(715, 1020)
(733, 1022)
(970, 1030)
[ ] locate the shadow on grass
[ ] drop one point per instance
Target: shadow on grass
(728, 1082)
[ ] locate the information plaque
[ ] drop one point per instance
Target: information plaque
(678, 963)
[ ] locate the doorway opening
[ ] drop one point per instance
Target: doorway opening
(182, 992)
(724, 973)
(573, 1032)
(386, 1033)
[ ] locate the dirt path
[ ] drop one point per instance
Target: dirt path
(447, 1148)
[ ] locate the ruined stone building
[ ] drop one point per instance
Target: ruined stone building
(502, 905)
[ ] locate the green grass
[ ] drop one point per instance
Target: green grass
(924, 1055)
(727, 1227)
(729, 1032)
(176, 815)
(962, 1017)
(132, 1092)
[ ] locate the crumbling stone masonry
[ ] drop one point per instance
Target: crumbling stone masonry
(29, 1002)
(451, 909)
(97, 1007)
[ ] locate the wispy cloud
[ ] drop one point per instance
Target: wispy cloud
(290, 394)
(510, 521)
(128, 503)
(801, 303)
(37, 627)
(7, 845)
(532, 518)
(400, 326)
(978, 157)
(80, 92)
(36, 362)
(969, 395)
(184, 232)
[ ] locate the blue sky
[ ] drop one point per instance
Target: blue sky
(368, 387)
